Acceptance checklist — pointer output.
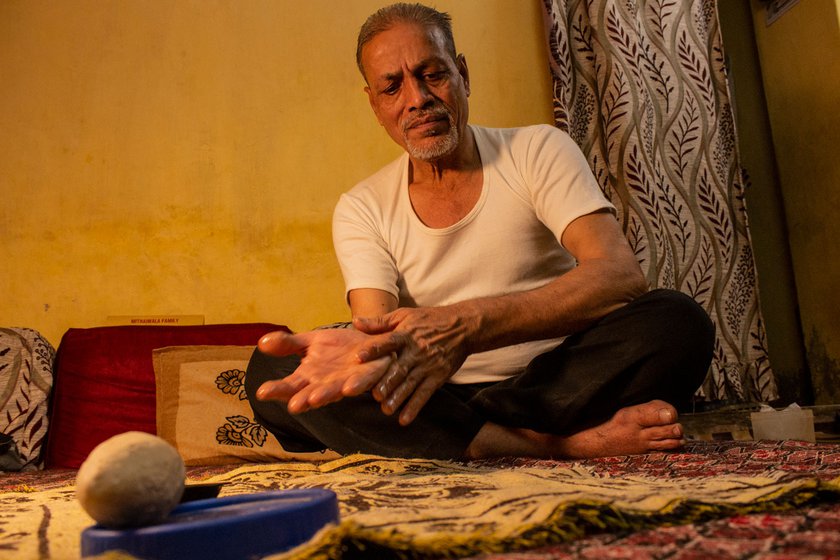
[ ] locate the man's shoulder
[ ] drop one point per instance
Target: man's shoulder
(516, 131)
(521, 146)
(521, 137)
(386, 180)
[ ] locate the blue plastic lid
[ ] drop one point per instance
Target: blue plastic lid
(231, 528)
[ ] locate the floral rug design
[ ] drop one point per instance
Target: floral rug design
(741, 497)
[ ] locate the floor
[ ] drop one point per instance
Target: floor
(735, 423)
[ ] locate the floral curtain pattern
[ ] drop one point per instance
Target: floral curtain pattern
(641, 86)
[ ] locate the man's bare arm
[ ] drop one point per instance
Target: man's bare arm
(370, 302)
(607, 277)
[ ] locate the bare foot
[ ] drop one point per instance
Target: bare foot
(642, 428)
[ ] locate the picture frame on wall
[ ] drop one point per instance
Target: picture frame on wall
(774, 9)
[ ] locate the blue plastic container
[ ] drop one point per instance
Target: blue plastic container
(240, 527)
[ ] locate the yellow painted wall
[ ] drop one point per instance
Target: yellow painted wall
(800, 62)
(184, 157)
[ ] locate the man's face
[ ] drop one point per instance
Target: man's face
(418, 93)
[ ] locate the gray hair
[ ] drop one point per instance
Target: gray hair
(385, 18)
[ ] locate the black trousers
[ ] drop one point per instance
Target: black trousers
(657, 347)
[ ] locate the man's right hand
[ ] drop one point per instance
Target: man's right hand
(329, 371)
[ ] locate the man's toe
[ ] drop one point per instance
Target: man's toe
(656, 413)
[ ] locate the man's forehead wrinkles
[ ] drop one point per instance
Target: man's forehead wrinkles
(392, 76)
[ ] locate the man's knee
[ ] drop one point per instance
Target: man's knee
(679, 331)
(677, 321)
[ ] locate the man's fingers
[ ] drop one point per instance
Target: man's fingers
(373, 325)
(363, 382)
(280, 389)
(279, 343)
(382, 346)
(418, 400)
(402, 392)
(379, 346)
(299, 402)
(393, 377)
(324, 394)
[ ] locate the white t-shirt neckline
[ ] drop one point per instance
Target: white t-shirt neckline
(463, 222)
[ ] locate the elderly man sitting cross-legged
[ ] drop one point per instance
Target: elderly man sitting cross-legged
(498, 309)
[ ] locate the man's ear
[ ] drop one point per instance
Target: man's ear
(372, 104)
(461, 62)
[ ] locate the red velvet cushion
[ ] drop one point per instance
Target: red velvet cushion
(105, 381)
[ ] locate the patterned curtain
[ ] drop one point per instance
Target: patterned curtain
(641, 86)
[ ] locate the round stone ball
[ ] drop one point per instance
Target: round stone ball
(131, 480)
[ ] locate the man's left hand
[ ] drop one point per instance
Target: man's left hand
(329, 370)
(429, 344)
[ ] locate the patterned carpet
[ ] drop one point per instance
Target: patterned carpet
(723, 500)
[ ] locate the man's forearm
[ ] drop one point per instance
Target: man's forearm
(566, 305)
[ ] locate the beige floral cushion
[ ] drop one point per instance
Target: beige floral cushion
(203, 411)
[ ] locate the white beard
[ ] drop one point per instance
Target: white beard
(435, 147)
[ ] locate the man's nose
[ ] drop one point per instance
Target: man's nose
(419, 96)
